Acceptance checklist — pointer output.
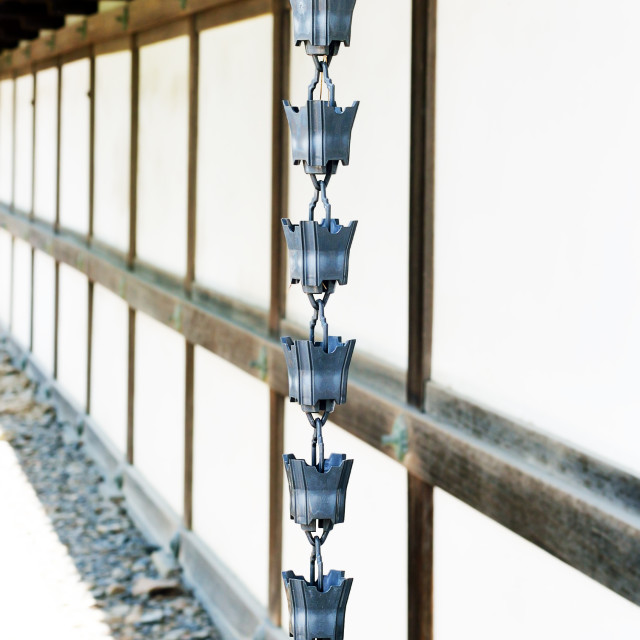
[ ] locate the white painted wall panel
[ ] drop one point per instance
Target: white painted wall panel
(109, 365)
(162, 154)
(537, 228)
(24, 142)
(159, 408)
(490, 584)
(44, 281)
(21, 308)
(6, 140)
(374, 188)
(234, 203)
(376, 510)
(112, 149)
(46, 144)
(72, 334)
(74, 147)
(231, 468)
(5, 278)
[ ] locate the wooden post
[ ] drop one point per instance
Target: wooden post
(188, 435)
(13, 144)
(33, 147)
(194, 59)
(92, 137)
(421, 220)
(194, 63)
(133, 158)
(279, 200)
(56, 314)
(32, 209)
(58, 139)
(31, 298)
(133, 205)
(131, 359)
(56, 225)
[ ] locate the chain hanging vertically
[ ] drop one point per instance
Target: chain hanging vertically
(318, 369)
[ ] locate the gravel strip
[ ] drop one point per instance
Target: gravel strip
(135, 587)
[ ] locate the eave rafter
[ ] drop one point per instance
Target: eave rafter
(23, 19)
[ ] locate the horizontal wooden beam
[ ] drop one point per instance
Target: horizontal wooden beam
(590, 521)
(130, 19)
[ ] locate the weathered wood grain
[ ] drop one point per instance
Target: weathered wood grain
(279, 204)
(582, 525)
(421, 278)
(137, 17)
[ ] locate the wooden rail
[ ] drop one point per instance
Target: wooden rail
(141, 15)
(585, 513)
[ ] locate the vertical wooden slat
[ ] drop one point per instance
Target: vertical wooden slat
(56, 304)
(11, 287)
(58, 139)
(188, 436)
(56, 309)
(92, 136)
(32, 298)
(194, 63)
(131, 359)
(279, 201)
(421, 203)
(279, 160)
(133, 159)
(32, 209)
(276, 504)
(133, 208)
(13, 145)
(89, 343)
(92, 133)
(33, 148)
(421, 199)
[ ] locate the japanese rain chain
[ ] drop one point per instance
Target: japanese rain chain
(318, 370)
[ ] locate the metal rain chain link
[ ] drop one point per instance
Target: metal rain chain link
(318, 370)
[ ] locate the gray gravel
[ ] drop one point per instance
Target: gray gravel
(137, 588)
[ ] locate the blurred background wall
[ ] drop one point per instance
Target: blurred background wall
(536, 307)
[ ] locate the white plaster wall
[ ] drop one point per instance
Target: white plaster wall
(371, 545)
(44, 280)
(74, 147)
(72, 334)
(46, 144)
(6, 141)
(234, 160)
(112, 149)
(159, 408)
(374, 188)
(109, 365)
(21, 308)
(536, 309)
(5, 278)
(162, 154)
(492, 584)
(24, 142)
(231, 468)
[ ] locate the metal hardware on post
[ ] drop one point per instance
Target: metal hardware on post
(261, 364)
(82, 29)
(398, 438)
(318, 370)
(124, 18)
